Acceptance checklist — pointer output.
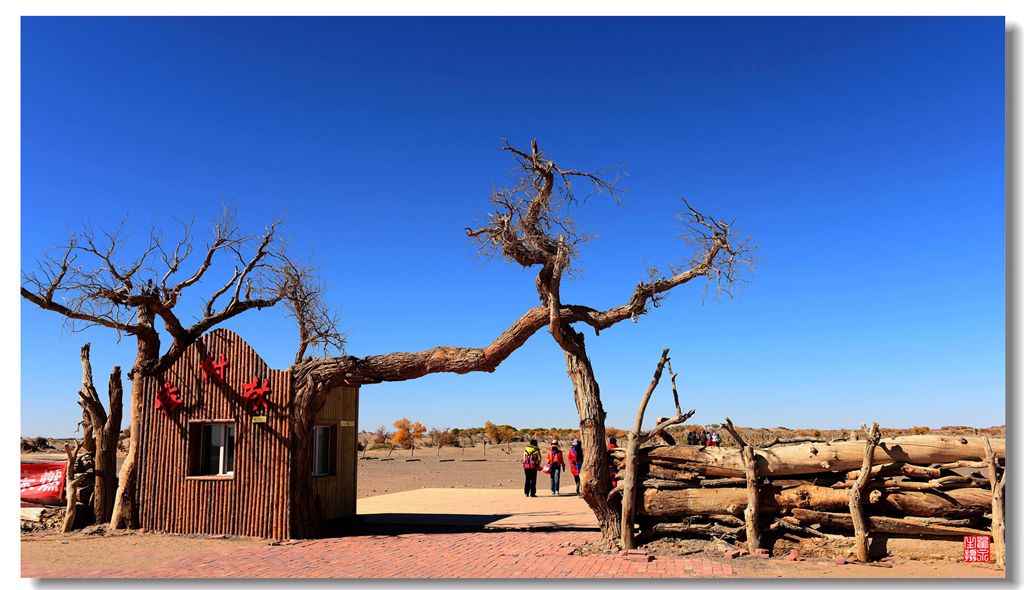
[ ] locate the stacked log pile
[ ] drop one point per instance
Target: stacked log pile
(930, 486)
(927, 486)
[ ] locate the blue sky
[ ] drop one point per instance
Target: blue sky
(864, 156)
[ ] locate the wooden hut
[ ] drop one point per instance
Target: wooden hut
(216, 450)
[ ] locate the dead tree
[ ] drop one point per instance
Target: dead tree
(101, 434)
(71, 486)
(998, 517)
(531, 226)
(92, 281)
(752, 512)
(636, 438)
(860, 523)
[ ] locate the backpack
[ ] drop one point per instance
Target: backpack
(530, 460)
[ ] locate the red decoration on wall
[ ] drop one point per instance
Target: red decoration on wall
(214, 370)
(255, 394)
(167, 399)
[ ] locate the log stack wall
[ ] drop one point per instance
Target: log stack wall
(925, 486)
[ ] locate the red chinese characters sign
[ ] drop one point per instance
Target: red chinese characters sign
(214, 370)
(976, 549)
(168, 399)
(43, 482)
(255, 394)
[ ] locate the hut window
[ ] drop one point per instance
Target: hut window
(216, 449)
(323, 450)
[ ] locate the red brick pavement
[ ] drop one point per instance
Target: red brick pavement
(506, 554)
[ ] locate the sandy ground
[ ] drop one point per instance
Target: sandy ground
(472, 467)
(486, 508)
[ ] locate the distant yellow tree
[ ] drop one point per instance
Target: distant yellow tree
(403, 433)
(416, 432)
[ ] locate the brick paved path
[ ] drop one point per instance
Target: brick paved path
(508, 554)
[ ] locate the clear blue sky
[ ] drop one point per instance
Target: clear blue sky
(865, 157)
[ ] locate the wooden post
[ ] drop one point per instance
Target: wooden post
(860, 524)
(998, 517)
(71, 484)
(633, 440)
(752, 513)
(636, 438)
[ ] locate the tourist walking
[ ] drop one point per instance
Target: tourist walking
(531, 463)
(714, 439)
(576, 461)
(612, 445)
(555, 465)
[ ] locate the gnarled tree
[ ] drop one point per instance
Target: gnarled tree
(92, 282)
(530, 226)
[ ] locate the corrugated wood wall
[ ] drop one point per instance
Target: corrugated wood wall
(254, 502)
(336, 494)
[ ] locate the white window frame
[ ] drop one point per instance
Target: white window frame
(225, 428)
(316, 451)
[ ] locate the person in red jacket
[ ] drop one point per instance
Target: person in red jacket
(555, 465)
(576, 461)
(612, 445)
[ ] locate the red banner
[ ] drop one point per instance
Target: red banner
(43, 483)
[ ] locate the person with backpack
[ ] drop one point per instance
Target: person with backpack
(554, 467)
(576, 461)
(714, 438)
(531, 463)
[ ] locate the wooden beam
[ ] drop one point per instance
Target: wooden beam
(883, 524)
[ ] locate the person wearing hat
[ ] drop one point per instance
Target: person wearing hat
(576, 461)
(554, 467)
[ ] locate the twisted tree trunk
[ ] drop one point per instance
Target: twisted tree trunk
(595, 484)
(101, 435)
(859, 522)
(125, 514)
(71, 487)
(309, 398)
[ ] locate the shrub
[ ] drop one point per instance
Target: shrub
(444, 438)
(920, 430)
(499, 434)
(612, 432)
(381, 435)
